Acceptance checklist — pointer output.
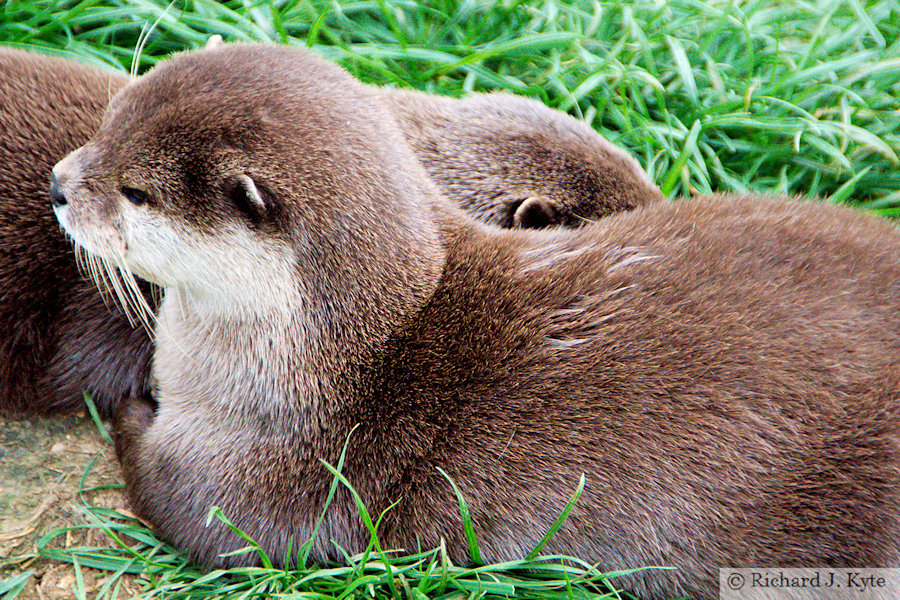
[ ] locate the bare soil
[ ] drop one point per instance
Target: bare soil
(42, 462)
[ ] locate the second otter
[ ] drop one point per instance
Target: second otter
(722, 371)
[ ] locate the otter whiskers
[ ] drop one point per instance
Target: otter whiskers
(115, 280)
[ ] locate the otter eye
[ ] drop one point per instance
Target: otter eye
(135, 196)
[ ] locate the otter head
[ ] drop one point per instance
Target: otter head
(256, 180)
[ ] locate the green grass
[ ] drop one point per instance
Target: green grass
(371, 574)
(376, 573)
(779, 96)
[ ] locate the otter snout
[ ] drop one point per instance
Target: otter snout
(85, 210)
(60, 175)
(58, 199)
(56, 196)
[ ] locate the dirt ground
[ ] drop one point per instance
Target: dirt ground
(42, 461)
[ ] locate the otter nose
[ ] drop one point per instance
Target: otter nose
(56, 195)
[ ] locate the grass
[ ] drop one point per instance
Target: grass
(774, 96)
(371, 574)
(376, 573)
(777, 96)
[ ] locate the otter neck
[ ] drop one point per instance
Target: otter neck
(262, 369)
(287, 368)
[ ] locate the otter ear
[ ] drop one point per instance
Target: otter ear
(214, 41)
(247, 197)
(536, 212)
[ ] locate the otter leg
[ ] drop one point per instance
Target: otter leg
(135, 415)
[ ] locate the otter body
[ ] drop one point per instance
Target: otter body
(62, 339)
(722, 371)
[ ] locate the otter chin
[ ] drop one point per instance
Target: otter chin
(722, 371)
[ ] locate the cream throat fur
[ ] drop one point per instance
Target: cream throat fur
(223, 362)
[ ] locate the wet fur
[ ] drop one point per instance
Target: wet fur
(723, 370)
(62, 338)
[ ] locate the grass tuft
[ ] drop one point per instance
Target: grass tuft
(785, 97)
(377, 574)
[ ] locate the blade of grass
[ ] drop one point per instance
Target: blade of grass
(92, 409)
(472, 541)
(13, 586)
(559, 521)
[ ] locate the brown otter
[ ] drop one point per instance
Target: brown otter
(58, 338)
(564, 172)
(723, 371)
(61, 339)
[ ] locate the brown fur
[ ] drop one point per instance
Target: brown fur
(564, 172)
(58, 338)
(62, 339)
(723, 371)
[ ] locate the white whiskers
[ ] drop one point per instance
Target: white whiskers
(117, 281)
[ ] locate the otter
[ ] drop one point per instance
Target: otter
(58, 337)
(565, 173)
(722, 371)
(62, 339)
